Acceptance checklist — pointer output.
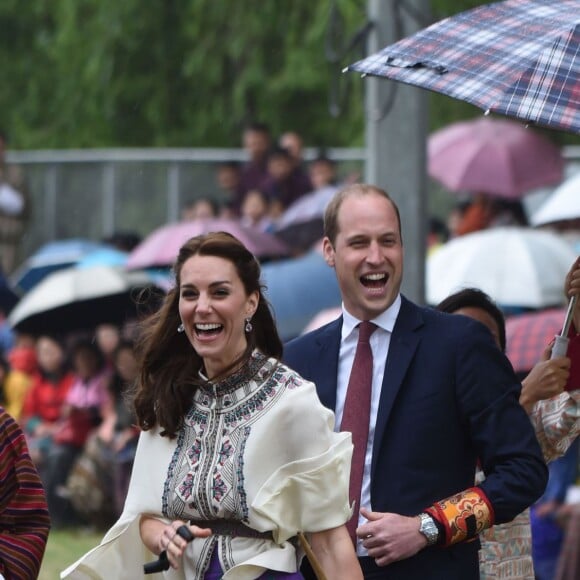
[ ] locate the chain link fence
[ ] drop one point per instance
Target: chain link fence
(95, 193)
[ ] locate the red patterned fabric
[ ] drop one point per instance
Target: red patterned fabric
(463, 515)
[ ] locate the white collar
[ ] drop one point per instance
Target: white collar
(386, 320)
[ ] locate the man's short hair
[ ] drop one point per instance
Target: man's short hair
(332, 209)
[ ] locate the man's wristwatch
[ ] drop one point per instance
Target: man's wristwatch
(428, 528)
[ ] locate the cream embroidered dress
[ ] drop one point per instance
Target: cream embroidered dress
(257, 448)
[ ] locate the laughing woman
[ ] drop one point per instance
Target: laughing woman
(236, 450)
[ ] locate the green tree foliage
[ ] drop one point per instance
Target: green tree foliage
(90, 73)
(102, 73)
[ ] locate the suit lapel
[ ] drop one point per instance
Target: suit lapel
(325, 363)
(403, 345)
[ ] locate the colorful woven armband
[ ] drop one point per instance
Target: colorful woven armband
(463, 515)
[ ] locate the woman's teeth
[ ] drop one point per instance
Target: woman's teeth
(209, 327)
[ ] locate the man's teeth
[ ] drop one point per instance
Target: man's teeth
(375, 277)
(207, 326)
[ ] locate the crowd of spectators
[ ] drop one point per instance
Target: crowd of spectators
(69, 396)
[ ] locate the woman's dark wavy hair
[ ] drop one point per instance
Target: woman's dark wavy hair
(475, 298)
(169, 366)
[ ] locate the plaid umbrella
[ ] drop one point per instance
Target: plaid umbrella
(516, 58)
(528, 335)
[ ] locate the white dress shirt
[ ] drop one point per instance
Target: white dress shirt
(380, 341)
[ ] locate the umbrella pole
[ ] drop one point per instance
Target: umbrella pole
(560, 347)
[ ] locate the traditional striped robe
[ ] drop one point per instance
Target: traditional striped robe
(24, 519)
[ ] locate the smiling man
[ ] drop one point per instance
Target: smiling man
(439, 398)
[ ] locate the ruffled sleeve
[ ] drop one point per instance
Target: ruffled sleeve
(308, 495)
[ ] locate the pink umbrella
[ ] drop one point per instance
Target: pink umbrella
(161, 246)
(494, 156)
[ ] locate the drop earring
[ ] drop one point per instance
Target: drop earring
(181, 328)
(248, 327)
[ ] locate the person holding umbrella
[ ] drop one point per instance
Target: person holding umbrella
(555, 414)
(236, 452)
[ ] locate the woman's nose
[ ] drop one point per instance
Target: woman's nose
(203, 303)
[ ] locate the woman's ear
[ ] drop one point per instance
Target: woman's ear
(252, 306)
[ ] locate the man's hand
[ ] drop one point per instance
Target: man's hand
(390, 537)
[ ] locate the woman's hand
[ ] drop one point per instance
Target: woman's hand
(547, 379)
(161, 537)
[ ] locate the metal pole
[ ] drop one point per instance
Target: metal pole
(109, 193)
(173, 198)
(396, 129)
(50, 201)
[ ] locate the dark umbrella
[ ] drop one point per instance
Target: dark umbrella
(51, 257)
(8, 297)
(76, 299)
(517, 58)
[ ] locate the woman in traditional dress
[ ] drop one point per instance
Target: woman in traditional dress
(235, 446)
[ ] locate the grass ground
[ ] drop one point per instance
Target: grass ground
(63, 548)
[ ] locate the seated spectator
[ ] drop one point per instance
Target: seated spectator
(44, 401)
(257, 142)
(229, 194)
(256, 211)
(292, 142)
(24, 519)
(203, 208)
(322, 173)
(83, 410)
(98, 482)
(23, 367)
(107, 337)
(283, 186)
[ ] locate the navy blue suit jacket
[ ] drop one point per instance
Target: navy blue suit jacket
(449, 398)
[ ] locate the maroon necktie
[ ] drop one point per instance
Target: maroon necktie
(356, 415)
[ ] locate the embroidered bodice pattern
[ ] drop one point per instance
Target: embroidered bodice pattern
(206, 475)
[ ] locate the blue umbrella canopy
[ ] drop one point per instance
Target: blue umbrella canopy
(51, 257)
(297, 289)
(103, 256)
